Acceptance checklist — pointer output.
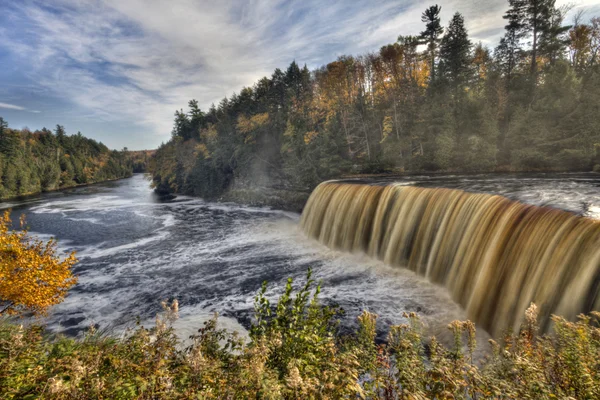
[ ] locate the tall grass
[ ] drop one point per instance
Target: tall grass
(294, 352)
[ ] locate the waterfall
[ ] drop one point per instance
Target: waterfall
(494, 255)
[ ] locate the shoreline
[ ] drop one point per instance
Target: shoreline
(28, 195)
(294, 200)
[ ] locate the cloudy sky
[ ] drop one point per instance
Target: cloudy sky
(116, 70)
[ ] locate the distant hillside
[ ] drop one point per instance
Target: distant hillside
(140, 159)
(40, 161)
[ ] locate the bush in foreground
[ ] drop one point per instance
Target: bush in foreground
(294, 352)
(33, 276)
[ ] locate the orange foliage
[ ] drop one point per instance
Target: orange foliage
(32, 276)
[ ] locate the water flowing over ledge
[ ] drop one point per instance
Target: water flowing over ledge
(494, 255)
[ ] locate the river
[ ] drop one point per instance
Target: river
(136, 249)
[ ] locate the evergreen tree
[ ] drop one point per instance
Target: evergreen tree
(509, 51)
(554, 40)
(182, 126)
(455, 53)
(537, 23)
(431, 35)
(196, 118)
(60, 134)
(3, 125)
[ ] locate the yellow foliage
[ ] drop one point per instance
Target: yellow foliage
(32, 276)
(421, 75)
(209, 135)
(247, 126)
(201, 149)
(310, 136)
(388, 126)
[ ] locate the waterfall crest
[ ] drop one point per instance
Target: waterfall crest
(494, 255)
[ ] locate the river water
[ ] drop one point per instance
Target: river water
(136, 249)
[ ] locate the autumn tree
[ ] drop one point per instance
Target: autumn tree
(482, 63)
(580, 46)
(33, 276)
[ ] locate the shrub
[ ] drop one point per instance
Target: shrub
(294, 352)
(32, 276)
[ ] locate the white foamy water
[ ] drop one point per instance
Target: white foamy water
(136, 250)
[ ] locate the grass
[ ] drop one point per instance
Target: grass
(295, 352)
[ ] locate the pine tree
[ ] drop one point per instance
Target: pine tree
(431, 35)
(455, 53)
(510, 50)
(537, 23)
(3, 125)
(182, 127)
(554, 40)
(60, 134)
(196, 118)
(10, 142)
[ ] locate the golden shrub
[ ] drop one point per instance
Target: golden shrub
(32, 276)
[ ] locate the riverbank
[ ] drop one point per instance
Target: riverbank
(25, 196)
(290, 199)
(281, 199)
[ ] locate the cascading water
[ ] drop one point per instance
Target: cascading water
(494, 255)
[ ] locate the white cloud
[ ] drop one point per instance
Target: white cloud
(136, 61)
(8, 106)
(11, 107)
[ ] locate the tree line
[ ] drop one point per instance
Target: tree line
(434, 101)
(34, 162)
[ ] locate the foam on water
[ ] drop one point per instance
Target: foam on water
(136, 250)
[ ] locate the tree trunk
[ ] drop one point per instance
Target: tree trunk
(366, 139)
(534, 51)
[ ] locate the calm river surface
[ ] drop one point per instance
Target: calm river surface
(136, 250)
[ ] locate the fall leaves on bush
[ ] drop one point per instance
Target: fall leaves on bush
(295, 351)
(33, 276)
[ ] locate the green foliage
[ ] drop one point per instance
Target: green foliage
(455, 53)
(532, 104)
(140, 160)
(294, 352)
(431, 34)
(33, 162)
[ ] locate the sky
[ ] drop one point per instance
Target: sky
(116, 70)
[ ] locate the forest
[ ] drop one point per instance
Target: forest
(40, 161)
(434, 101)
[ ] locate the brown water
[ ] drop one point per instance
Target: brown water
(494, 255)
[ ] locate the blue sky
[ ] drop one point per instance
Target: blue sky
(116, 70)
